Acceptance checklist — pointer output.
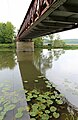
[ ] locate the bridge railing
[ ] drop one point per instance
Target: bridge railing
(36, 9)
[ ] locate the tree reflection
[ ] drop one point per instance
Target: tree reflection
(57, 53)
(7, 59)
(43, 59)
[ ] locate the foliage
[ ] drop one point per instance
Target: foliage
(42, 105)
(6, 32)
(10, 45)
(9, 101)
(71, 47)
(58, 43)
(38, 42)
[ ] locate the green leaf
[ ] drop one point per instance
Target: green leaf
(59, 101)
(56, 115)
(42, 107)
(33, 113)
(47, 111)
(49, 102)
(10, 107)
(40, 76)
(25, 81)
(19, 115)
(1, 108)
(36, 80)
(45, 117)
(53, 109)
(32, 119)
(53, 97)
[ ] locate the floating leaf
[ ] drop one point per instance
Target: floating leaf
(49, 102)
(56, 115)
(33, 113)
(27, 108)
(47, 111)
(36, 80)
(21, 109)
(53, 96)
(19, 115)
(53, 109)
(35, 106)
(10, 107)
(42, 107)
(32, 119)
(1, 108)
(59, 101)
(35, 96)
(26, 91)
(45, 117)
(25, 81)
(39, 98)
(1, 117)
(40, 76)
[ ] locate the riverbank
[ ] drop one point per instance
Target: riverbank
(66, 47)
(7, 47)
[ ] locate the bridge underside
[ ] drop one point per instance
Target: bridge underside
(62, 15)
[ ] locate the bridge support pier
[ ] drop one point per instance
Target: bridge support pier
(25, 46)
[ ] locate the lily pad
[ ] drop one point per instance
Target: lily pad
(40, 76)
(59, 101)
(10, 107)
(49, 102)
(33, 113)
(1, 108)
(53, 109)
(47, 111)
(45, 117)
(56, 115)
(36, 80)
(32, 119)
(21, 109)
(25, 81)
(42, 107)
(18, 115)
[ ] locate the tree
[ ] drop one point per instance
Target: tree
(57, 37)
(49, 38)
(6, 32)
(38, 42)
(58, 43)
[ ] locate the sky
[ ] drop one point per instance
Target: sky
(15, 11)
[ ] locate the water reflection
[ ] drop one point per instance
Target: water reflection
(43, 59)
(7, 59)
(61, 68)
(58, 67)
(29, 72)
(12, 96)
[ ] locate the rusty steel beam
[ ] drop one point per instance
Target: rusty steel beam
(36, 9)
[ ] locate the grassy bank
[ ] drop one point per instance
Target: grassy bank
(8, 47)
(64, 47)
(70, 47)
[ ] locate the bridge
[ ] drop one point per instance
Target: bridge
(46, 17)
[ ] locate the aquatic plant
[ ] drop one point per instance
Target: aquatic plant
(43, 105)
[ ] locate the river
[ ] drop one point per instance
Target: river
(19, 70)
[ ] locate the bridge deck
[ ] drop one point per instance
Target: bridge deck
(61, 15)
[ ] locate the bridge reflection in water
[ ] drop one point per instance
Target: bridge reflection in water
(32, 64)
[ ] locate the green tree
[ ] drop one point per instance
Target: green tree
(7, 32)
(58, 43)
(49, 38)
(38, 42)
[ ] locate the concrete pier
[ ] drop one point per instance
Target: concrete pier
(25, 46)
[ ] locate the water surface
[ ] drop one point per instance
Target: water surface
(18, 71)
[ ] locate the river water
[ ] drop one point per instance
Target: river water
(19, 70)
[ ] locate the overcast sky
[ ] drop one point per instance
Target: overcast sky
(15, 10)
